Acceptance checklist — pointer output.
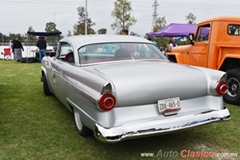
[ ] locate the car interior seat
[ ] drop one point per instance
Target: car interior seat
(122, 53)
(69, 57)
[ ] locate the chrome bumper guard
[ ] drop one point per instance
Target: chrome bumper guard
(158, 126)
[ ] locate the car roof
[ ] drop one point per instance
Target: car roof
(81, 40)
(222, 18)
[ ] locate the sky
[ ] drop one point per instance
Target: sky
(16, 16)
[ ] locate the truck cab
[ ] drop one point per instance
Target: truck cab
(215, 45)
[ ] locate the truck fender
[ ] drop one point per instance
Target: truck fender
(229, 61)
(175, 57)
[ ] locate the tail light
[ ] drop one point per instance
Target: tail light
(221, 88)
(106, 102)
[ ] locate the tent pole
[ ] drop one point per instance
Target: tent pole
(27, 47)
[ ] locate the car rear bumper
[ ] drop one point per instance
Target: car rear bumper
(158, 126)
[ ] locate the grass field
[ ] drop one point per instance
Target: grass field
(33, 126)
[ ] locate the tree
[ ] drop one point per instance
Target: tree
(102, 31)
(122, 15)
(79, 28)
(51, 27)
(159, 24)
(13, 36)
(6, 39)
(1, 38)
(191, 18)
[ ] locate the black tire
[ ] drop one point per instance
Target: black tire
(80, 127)
(233, 94)
(46, 89)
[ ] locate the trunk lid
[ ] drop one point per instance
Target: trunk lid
(146, 82)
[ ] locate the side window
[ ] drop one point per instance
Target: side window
(233, 29)
(65, 52)
(203, 33)
(149, 51)
(97, 52)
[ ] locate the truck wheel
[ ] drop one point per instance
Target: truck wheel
(46, 89)
(233, 94)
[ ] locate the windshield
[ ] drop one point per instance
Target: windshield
(104, 52)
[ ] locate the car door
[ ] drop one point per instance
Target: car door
(59, 70)
(199, 51)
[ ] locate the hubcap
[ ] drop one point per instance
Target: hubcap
(233, 87)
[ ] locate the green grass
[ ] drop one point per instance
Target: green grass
(34, 126)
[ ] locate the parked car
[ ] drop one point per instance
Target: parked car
(122, 87)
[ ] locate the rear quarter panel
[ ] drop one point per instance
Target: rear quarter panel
(80, 88)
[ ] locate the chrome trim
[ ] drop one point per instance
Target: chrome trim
(223, 77)
(104, 88)
(158, 126)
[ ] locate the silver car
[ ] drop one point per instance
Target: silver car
(122, 87)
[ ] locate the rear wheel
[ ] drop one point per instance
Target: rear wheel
(46, 89)
(81, 128)
(233, 94)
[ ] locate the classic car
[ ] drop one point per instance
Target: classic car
(122, 87)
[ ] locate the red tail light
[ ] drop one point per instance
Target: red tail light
(106, 102)
(221, 88)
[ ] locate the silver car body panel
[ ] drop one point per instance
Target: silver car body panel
(137, 86)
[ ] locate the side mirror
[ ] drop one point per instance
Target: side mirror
(191, 38)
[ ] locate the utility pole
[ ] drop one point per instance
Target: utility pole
(155, 14)
(86, 18)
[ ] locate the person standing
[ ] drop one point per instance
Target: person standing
(42, 45)
(12, 49)
(173, 42)
(169, 46)
(124, 32)
(17, 48)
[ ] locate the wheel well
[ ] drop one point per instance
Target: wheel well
(70, 108)
(230, 63)
(42, 76)
(172, 58)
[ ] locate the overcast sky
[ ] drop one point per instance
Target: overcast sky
(17, 15)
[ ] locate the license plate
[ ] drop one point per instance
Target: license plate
(169, 106)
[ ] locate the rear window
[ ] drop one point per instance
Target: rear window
(233, 29)
(96, 53)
